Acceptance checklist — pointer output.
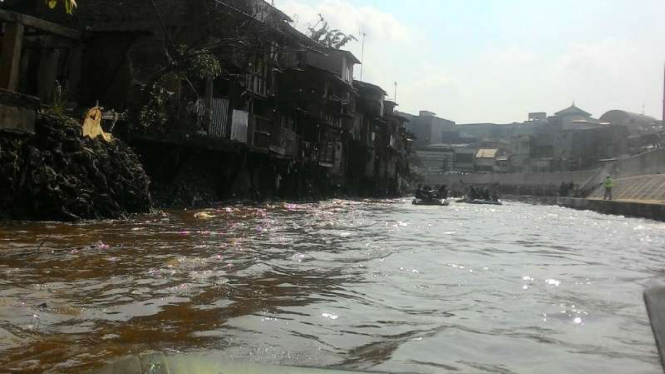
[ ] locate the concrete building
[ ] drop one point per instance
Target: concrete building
(465, 158)
(430, 129)
(437, 158)
(485, 160)
(519, 153)
(636, 123)
(573, 140)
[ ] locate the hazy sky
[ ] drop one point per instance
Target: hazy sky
(497, 60)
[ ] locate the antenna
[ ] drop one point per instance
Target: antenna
(362, 53)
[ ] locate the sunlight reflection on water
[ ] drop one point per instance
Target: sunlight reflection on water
(370, 285)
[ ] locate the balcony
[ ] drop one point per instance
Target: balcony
(327, 153)
(260, 131)
(283, 142)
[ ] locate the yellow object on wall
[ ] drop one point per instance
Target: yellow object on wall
(92, 125)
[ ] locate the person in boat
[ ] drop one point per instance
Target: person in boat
(419, 192)
(564, 189)
(428, 193)
(485, 194)
(473, 194)
(495, 196)
(443, 192)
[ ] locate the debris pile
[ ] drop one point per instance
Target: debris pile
(57, 174)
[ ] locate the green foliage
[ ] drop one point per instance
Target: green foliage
(59, 99)
(199, 64)
(70, 5)
(331, 38)
(187, 68)
(154, 111)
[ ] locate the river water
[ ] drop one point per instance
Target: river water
(363, 285)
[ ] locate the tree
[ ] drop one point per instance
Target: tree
(331, 38)
(70, 5)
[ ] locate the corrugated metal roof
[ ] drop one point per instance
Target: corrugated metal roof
(622, 117)
(486, 153)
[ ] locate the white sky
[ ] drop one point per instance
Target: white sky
(497, 60)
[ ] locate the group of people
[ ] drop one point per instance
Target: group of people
(570, 189)
(482, 194)
(428, 193)
(566, 189)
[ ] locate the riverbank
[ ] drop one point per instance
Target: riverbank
(191, 177)
(630, 208)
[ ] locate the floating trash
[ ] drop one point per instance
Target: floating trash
(298, 257)
(203, 215)
(329, 316)
(553, 282)
(102, 246)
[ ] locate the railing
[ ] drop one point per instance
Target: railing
(218, 123)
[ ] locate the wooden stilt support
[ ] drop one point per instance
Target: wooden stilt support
(208, 103)
(48, 71)
(10, 58)
(75, 67)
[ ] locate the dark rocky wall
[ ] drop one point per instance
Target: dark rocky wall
(58, 175)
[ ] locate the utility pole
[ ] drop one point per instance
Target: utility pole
(395, 91)
(663, 95)
(362, 53)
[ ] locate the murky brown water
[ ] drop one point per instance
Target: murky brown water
(363, 285)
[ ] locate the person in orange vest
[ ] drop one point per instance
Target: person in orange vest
(609, 184)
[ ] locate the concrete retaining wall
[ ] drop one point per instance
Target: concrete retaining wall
(624, 208)
(647, 163)
(18, 112)
(514, 179)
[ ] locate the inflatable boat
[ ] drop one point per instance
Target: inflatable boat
(432, 202)
(480, 202)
